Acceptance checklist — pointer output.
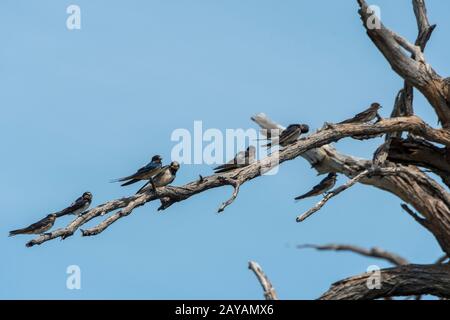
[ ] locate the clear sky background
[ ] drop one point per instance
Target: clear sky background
(78, 108)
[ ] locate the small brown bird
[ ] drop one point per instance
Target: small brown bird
(289, 136)
(166, 176)
(242, 159)
(78, 207)
(324, 185)
(37, 228)
(365, 116)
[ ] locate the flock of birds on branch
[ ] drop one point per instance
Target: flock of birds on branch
(158, 175)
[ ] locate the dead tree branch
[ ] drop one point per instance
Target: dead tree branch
(419, 152)
(170, 195)
(413, 69)
(405, 280)
(375, 252)
(269, 291)
(332, 194)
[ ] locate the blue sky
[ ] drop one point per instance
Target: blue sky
(78, 108)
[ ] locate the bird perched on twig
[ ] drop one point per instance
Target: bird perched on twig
(166, 176)
(365, 116)
(324, 185)
(78, 207)
(277, 133)
(242, 159)
(288, 136)
(144, 173)
(269, 128)
(37, 228)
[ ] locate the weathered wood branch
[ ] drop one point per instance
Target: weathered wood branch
(414, 70)
(374, 252)
(423, 24)
(416, 188)
(332, 194)
(69, 230)
(413, 186)
(170, 195)
(418, 152)
(403, 105)
(269, 291)
(405, 280)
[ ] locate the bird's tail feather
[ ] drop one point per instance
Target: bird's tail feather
(16, 232)
(130, 182)
(223, 169)
(304, 196)
(120, 179)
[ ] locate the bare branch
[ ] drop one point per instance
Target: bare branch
(404, 101)
(269, 291)
(170, 195)
(421, 153)
(372, 252)
(405, 280)
(235, 185)
(414, 70)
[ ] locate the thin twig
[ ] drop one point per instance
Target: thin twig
(269, 291)
(374, 252)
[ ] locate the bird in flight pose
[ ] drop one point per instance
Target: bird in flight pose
(37, 228)
(242, 159)
(78, 207)
(324, 185)
(166, 175)
(144, 173)
(365, 116)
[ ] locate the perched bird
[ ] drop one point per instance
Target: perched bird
(79, 206)
(365, 116)
(242, 159)
(36, 228)
(144, 173)
(289, 135)
(324, 185)
(166, 176)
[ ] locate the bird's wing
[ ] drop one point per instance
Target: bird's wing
(323, 186)
(357, 117)
(150, 166)
(267, 124)
(161, 171)
(78, 204)
(289, 134)
(149, 170)
(251, 156)
(38, 224)
(312, 192)
(240, 158)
